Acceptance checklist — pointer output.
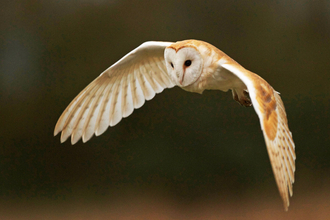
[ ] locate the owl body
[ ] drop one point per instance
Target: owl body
(212, 76)
(194, 66)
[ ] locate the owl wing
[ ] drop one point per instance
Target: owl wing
(274, 124)
(115, 93)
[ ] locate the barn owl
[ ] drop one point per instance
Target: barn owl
(194, 66)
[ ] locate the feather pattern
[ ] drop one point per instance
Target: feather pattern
(115, 93)
(194, 66)
(82, 117)
(90, 123)
(137, 92)
(103, 117)
(128, 106)
(274, 124)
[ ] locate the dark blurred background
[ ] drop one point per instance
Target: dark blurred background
(182, 155)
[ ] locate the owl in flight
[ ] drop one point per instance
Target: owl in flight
(194, 66)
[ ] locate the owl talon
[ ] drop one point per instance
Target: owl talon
(246, 99)
(246, 102)
(235, 97)
(243, 100)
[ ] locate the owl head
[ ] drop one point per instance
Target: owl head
(184, 63)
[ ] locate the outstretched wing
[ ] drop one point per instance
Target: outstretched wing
(115, 93)
(274, 124)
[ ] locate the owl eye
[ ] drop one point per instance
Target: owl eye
(172, 65)
(187, 63)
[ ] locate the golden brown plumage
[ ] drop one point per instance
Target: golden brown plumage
(194, 66)
(270, 109)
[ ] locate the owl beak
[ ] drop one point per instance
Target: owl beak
(181, 80)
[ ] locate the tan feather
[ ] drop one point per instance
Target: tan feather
(91, 119)
(84, 112)
(115, 93)
(145, 71)
(273, 120)
(138, 97)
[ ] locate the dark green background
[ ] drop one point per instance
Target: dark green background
(179, 148)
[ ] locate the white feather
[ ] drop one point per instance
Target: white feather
(115, 93)
(139, 98)
(142, 73)
(128, 106)
(90, 124)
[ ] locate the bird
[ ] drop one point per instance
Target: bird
(194, 66)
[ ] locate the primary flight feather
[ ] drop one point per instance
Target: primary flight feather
(194, 66)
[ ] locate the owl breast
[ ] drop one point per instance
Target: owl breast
(205, 72)
(215, 77)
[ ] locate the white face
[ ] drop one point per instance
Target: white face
(184, 66)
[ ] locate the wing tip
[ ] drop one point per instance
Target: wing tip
(64, 137)
(85, 139)
(62, 140)
(115, 121)
(100, 131)
(57, 129)
(128, 112)
(55, 132)
(74, 139)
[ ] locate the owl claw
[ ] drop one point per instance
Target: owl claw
(243, 100)
(246, 102)
(235, 97)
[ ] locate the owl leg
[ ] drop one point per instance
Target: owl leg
(242, 97)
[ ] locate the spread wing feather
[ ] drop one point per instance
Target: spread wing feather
(114, 94)
(271, 112)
